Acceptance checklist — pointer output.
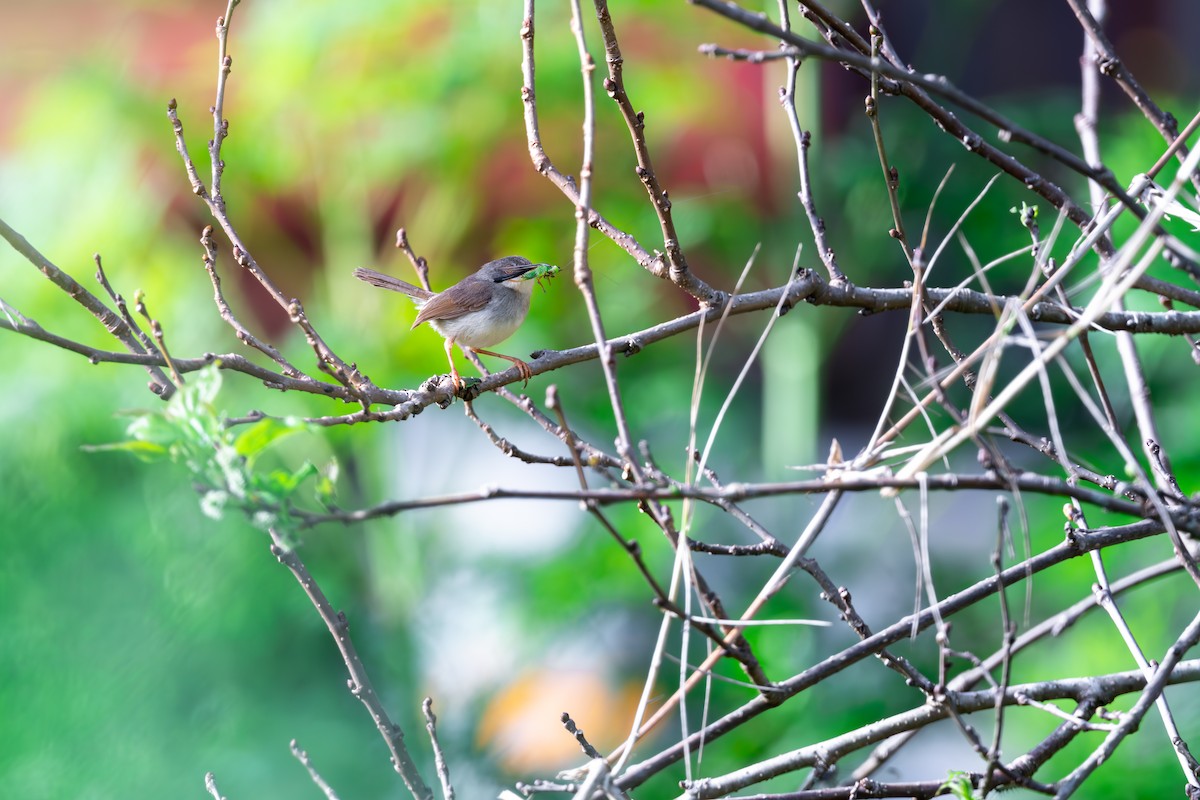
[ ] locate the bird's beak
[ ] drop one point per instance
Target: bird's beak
(523, 272)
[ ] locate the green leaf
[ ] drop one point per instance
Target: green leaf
(153, 427)
(959, 785)
(260, 435)
(285, 483)
(204, 385)
(190, 431)
(146, 451)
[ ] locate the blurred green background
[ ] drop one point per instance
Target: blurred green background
(146, 644)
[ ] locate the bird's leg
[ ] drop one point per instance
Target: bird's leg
(522, 367)
(458, 381)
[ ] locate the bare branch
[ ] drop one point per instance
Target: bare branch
(113, 323)
(359, 684)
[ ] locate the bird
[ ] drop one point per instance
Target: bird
(481, 310)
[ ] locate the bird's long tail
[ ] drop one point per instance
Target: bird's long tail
(395, 284)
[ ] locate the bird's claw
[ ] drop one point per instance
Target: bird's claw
(525, 372)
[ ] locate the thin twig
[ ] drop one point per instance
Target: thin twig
(210, 786)
(302, 756)
(1054, 626)
(1166, 672)
(122, 308)
(359, 684)
(891, 175)
(328, 361)
(1112, 685)
(1080, 544)
(655, 264)
(439, 758)
(1100, 58)
(848, 482)
(160, 384)
(243, 333)
(614, 85)
(419, 263)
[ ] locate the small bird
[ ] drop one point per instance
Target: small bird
(481, 310)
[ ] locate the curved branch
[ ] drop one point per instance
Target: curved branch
(160, 384)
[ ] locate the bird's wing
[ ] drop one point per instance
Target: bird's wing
(395, 284)
(462, 298)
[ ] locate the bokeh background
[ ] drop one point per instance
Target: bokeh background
(145, 644)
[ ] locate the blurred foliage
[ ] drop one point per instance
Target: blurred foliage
(959, 786)
(147, 644)
(189, 430)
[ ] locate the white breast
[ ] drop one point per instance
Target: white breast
(495, 322)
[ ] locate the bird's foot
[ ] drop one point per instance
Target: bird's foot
(524, 371)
